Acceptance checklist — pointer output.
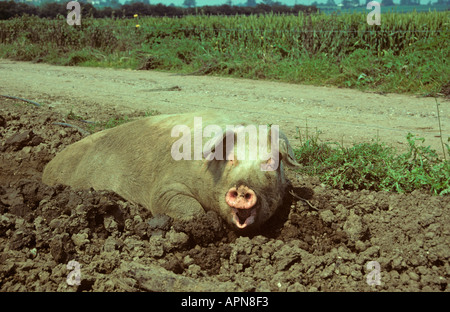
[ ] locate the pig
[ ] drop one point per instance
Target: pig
(136, 160)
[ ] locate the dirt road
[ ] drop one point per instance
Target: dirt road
(340, 115)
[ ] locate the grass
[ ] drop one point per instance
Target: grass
(384, 9)
(375, 166)
(408, 53)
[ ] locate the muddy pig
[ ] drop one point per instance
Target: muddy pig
(156, 162)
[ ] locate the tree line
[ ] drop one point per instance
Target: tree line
(10, 9)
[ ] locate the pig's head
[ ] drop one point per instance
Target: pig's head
(250, 190)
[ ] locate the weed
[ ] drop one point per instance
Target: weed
(375, 166)
(73, 116)
(152, 112)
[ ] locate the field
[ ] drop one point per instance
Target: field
(406, 53)
(395, 9)
(375, 180)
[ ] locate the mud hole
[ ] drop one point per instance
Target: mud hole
(324, 246)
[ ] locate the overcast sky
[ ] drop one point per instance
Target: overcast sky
(288, 2)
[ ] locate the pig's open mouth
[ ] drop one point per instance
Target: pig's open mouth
(243, 217)
(242, 201)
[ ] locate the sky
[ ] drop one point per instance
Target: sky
(288, 2)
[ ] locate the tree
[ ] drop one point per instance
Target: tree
(115, 4)
(350, 3)
(388, 3)
(409, 2)
(346, 3)
(88, 10)
(189, 3)
(52, 9)
(251, 3)
(9, 9)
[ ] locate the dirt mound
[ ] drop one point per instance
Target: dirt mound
(327, 242)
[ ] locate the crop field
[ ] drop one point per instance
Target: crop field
(394, 9)
(408, 52)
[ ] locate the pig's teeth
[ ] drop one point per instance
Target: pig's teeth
(248, 220)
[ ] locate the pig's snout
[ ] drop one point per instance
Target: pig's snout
(241, 198)
(242, 201)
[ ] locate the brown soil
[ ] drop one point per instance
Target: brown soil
(322, 245)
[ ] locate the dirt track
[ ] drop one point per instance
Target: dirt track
(325, 246)
(341, 115)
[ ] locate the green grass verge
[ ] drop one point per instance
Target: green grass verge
(375, 166)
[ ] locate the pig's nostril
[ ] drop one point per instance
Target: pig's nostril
(241, 198)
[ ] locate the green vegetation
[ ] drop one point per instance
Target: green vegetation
(385, 9)
(407, 53)
(375, 166)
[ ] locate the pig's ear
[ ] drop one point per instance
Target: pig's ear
(286, 152)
